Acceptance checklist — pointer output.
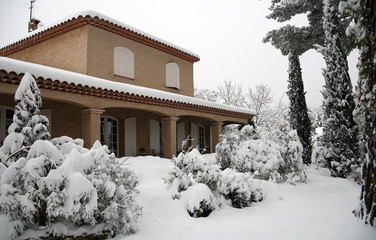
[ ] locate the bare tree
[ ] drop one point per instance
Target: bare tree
(206, 94)
(260, 100)
(231, 94)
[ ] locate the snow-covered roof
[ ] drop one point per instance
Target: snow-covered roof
(45, 72)
(94, 14)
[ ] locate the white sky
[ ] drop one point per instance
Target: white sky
(227, 34)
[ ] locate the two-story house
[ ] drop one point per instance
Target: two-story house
(101, 79)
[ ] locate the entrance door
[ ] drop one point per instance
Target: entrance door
(130, 140)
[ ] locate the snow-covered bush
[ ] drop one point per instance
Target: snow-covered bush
(78, 189)
(275, 154)
(260, 157)
(199, 200)
(320, 154)
(194, 179)
(291, 151)
(240, 188)
(191, 167)
(227, 145)
(192, 172)
(12, 146)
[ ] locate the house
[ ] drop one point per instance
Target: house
(101, 79)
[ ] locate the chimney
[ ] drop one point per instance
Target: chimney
(33, 24)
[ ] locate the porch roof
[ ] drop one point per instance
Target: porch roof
(77, 80)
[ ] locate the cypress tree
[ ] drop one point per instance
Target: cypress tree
(340, 131)
(364, 31)
(288, 39)
(299, 118)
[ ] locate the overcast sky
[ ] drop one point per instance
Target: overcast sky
(227, 34)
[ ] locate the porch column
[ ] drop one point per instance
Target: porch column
(91, 129)
(216, 131)
(169, 136)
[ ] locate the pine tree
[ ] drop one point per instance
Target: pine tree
(299, 118)
(340, 131)
(28, 125)
(364, 14)
(28, 102)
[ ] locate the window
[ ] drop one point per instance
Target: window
(6, 119)
(172, 75)
(109, 133)
(123, 62)
(201, 137)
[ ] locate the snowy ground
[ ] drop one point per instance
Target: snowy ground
(320, 209)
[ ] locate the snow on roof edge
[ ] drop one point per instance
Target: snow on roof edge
(17, 66)
(94, 14)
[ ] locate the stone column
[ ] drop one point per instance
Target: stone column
(169, 136)
(216, 131)
(91, 129)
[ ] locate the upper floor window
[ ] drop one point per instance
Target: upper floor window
(172, 75)
(123, 62)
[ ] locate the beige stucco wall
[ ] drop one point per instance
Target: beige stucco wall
(67, 51)
(90, 50)
(149, 62)
(66, 119)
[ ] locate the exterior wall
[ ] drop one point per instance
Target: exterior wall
(67, 51)
(149, 62)
(66, 119)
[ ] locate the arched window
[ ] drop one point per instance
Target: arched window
(123, 62)
(109, 133)
(172, 75)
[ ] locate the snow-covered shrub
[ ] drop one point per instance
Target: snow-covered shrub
(229, 142)
(199, 200)
(320, 154)
(78, 189)
(240, 188)
(194, 179)
(291, 151)
(260, 157)
(11, 147)
(192, 167)
(227, 145)
(272, 154)
(66, 144)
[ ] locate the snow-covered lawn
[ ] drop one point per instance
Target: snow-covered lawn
(320, 209)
